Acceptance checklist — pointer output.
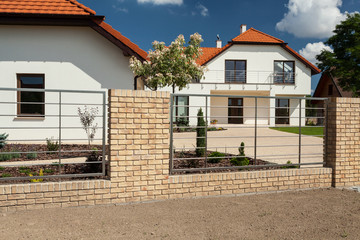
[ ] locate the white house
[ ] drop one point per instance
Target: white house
(251, 64)
(59, 44)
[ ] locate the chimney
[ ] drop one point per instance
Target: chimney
(218, 42)
(242, 28)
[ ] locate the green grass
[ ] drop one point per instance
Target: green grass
(304, 130)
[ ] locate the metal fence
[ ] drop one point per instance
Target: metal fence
(246, 132)
(41, 135)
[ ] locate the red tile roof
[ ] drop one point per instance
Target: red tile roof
(255, 36)
(68, 7)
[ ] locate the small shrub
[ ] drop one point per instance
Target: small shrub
(87, 118)
(289, 162)
(2, 168)
(200, 134)
(240, 160)
(94, 157)
(5, 175)
(15, 154)
(182, 121)
(9, 156)
(41, 173)
(51, 145)
(24, 170)
(216, 157)
(3, 138)
(48, 170)
(31, 155)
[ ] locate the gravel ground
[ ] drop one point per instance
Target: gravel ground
(312, 214)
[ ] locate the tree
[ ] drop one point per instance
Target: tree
(344, 61)
(173, 66)
(200, 134)
(87, 118)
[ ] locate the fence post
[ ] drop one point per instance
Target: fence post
(300, 132)
(60, 113)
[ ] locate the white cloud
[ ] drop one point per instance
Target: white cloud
(120, 9)
(203, 10)
(311, 18)
(162, 2)
(312, 49)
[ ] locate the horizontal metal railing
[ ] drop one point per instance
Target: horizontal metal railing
(60, 106)
(301, 148)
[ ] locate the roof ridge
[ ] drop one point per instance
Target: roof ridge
(266, 34)
(82, 6)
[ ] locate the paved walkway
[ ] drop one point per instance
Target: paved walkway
(272, 145)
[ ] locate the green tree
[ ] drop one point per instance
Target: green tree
(200, 134)
(173, 66)
(344, 61)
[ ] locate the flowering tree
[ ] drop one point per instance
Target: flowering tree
(173, 66)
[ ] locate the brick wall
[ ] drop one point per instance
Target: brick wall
(139, 166)
(343, 142)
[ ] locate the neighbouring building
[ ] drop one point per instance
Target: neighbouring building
(328, 86)
(251, 64)
(61, 44)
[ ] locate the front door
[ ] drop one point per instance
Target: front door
(235, 110)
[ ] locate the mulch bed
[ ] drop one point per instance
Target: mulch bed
(225, 162)
(48, 156)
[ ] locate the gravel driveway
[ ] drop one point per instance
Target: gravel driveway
(273, 145)
(313, 214)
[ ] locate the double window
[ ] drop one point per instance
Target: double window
(235, 71)
(282, 111)
(30, 103)
(284, 72)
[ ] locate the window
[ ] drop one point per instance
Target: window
(181, 110)
(284, 72)
(30, 103)
(235, 71)
(282, 111)
(330, 90)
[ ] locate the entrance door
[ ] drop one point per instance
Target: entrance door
(235, 110)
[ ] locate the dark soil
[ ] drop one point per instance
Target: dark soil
(65, 148)
(224, 163)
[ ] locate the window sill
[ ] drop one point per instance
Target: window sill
(29, 118)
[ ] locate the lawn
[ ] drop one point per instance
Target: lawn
(304, 130)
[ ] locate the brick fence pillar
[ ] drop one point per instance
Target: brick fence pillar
(139, 143)
(343, 141)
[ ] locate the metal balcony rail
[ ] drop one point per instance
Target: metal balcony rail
(247, 77)
(60, 113)
(301, 145)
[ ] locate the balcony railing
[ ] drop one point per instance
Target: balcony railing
(247, 77)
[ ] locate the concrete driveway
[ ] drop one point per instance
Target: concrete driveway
(272, 145)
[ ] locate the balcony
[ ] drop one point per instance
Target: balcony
(248, 77)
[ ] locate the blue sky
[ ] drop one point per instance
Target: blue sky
(303, 24)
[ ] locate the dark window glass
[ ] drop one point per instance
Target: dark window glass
(282, 112)
(284, 72)
(235, 71)
(31, 103)
(330, 90)
(235, 110)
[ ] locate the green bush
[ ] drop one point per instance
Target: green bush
(9, 156)
(31, 155)
(289, 162)
(51, 145)
(200, 134)
(5, 175)
(216, 157)
(3, 138)
(240, 160)
(2, 168)
(94, 157)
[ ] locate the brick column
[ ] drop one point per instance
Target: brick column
(139, 143)
(343, 141)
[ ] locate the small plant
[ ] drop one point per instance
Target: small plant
(87, 118)
(213, 122)
(3, 138)
(24, 170)
(289, 162)
(9, 155)
(51, 145)
(240, 160)
(216, 157)
(200, 134)
(94, 157)
(2, 168)
(5, 175)
(41, 173)
(46, 170)
(31, 155)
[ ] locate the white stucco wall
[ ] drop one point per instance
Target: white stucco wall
(76, 58)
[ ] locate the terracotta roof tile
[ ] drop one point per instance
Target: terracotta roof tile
(210, 53)
(67, 7)
(253, 35)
